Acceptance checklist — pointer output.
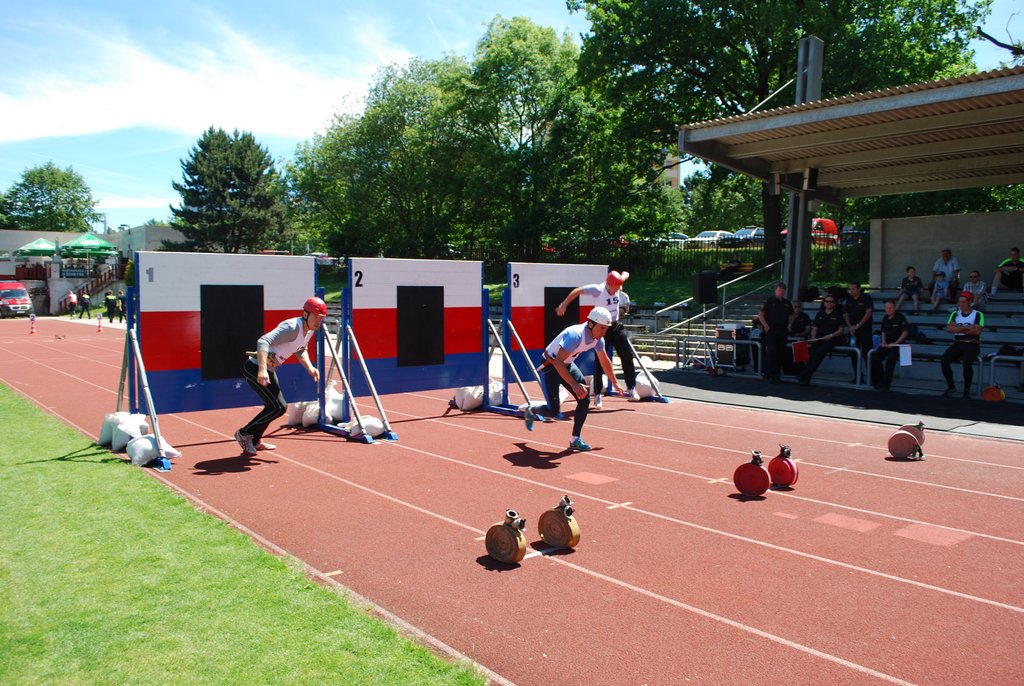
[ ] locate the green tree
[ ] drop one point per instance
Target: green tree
(489, 159)
(390, 181)
(668, 62)
(48, 198)
(232, 197)
(717, 199)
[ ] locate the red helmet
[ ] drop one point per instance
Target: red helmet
(616, 279)
(315, 306)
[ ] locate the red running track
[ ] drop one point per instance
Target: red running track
(870, 570)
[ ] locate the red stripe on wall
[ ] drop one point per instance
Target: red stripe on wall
(376, 329)
(172, 340)
(529, 323)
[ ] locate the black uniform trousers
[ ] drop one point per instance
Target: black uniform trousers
(819, 351)
(966, 352)
(775, 340)
(617, 338)
(887, 358)
(552, 380)
(274, 404)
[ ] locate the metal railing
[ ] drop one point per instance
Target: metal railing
(722, 301)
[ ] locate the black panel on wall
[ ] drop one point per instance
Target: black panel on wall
(420, 325)
(230, 323)
(553, 324)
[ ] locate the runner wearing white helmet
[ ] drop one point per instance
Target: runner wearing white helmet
(609, 295)
(260, 370)
(559, 368)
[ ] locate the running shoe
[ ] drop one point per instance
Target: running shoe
(245, 441)
(578, 444)
(528, 418)
(597, 401)
(262, 445)
(632, 394)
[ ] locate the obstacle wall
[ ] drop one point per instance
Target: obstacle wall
(197, 315)
(419, 323)
(533, 293)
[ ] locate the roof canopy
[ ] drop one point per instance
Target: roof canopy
(939, 135)
(37, 248)
(87, 244)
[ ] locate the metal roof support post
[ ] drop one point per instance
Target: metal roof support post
(810, 55)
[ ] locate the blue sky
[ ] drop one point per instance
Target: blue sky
(122, 91)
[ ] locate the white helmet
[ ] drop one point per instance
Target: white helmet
(600, 315)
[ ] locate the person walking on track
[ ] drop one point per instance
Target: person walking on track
(291, 337)
(609, 295)
(559, 368)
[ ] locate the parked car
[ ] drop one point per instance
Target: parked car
(823, 231)
(849, 237)
(748, 235)
(14, 300)
(707, 239)
(672, 240)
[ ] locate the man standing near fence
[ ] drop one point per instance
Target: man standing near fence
(774, 317)
(857, 313)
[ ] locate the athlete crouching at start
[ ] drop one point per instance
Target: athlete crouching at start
(291, 337)
(559, 367)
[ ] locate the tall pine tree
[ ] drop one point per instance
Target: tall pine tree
(232, 197)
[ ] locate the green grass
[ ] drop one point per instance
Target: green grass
(108, 577)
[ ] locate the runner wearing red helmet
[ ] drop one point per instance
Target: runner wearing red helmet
(610, 296)
(291, 337)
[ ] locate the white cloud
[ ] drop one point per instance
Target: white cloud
(111, 82)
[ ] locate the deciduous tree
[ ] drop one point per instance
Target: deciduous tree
(48, 198)
(669, 62)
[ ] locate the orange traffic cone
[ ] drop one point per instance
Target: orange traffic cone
(99, 324)
(32, 318)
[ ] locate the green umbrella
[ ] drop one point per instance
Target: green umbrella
(40, 247)
(88, 245)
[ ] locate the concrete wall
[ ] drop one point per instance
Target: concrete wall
(978, 241)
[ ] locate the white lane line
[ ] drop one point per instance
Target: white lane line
(391, 618)
(719, 532)
(733, 623)
(711, 480)
(597, 575)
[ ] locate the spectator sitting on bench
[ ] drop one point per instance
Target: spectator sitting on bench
(965, 323)
(1010, 273)
(976, 287)
(894, 331)
(911, 287)
(799, 330)
(799, 321)
(950, 267)
(939, 290)
(826, 334)
(730, 268)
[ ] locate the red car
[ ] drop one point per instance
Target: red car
(14, 300)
